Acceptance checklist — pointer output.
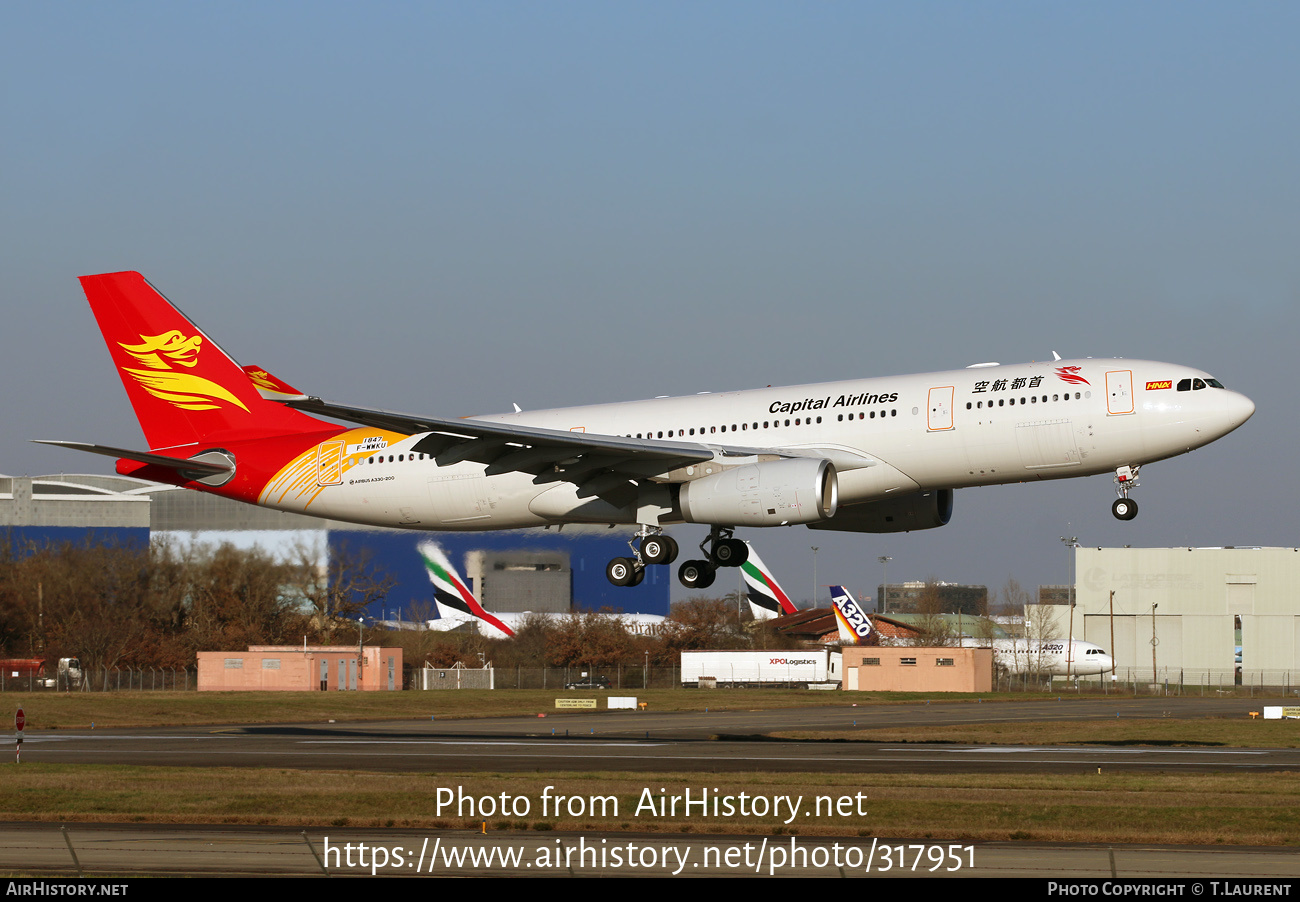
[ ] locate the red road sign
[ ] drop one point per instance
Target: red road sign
(20, 720)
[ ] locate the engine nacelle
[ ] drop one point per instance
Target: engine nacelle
(919, 510)
(771, 493)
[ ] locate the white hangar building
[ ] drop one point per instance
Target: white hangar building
(1199, 604)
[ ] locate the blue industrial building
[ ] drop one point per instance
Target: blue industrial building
(586, 552)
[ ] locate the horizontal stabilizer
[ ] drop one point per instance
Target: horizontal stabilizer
(185, 467)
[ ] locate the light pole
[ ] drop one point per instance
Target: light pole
(884, 582)
(814, 591)
(1154, 643)
(1112, 637)
(361, 654)
(1071, 543)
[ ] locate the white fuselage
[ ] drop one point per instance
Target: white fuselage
(886, 437)
(1053, 658)
(451, 619)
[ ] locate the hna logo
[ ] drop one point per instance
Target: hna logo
(159, 354)
(1163, 383)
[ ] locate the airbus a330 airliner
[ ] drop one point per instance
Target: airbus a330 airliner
(865, 455)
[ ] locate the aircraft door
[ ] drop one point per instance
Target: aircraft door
(940, 409)
(1119, 392)
(329, 463)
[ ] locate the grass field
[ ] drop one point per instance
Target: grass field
(78, 710)
(1257, 809)
(1202, 809)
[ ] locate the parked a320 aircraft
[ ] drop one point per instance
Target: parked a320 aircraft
(866, 455)
(1050, 657)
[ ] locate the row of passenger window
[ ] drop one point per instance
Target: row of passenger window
(743, 427)
(1032, 399)
(767, 424)
(379, 459)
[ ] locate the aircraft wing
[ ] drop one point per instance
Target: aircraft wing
(604, 465)
(506, 447)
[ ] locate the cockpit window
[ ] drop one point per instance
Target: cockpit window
(1198, 384)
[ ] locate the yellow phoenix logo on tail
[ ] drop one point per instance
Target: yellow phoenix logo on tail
(158, 354)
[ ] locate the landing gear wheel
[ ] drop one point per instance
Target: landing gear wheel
(638, 574)
(1124, 509)
(696, 574)
(623, 571)
(730, 553)
(658, 550)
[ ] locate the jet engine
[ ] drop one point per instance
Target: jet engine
(919, 510)
(771, 493)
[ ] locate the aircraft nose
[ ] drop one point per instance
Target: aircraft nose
(1238, 409)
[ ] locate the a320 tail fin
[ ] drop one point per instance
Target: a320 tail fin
(184, 388)
(766, 597)
(853, 623)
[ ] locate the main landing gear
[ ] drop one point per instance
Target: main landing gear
(1125, 508)
(724, 551)
(650, 546)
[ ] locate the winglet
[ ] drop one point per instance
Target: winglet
(271, 387)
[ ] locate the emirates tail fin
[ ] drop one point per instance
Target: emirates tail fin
(766, 597)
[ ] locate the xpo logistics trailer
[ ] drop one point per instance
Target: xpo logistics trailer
(814, 668)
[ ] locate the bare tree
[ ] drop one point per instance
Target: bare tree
(342, 588)
(1041, 629)
(983, 630)
(587, 638)
(1014, 598)
(934, 627)
(703, 623)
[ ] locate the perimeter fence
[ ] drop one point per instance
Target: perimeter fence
(1171, 681)
(106, 679)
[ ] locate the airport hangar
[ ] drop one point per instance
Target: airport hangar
(541, 570)
(1198, 605)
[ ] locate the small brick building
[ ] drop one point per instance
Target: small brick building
(918, 669)
(295, 668)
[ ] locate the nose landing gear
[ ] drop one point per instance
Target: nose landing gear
(1125, 508)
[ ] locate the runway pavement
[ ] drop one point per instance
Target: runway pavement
(639, 741)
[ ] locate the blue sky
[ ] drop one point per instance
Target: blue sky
(447, 208)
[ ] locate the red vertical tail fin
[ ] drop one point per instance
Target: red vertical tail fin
(184, 388)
